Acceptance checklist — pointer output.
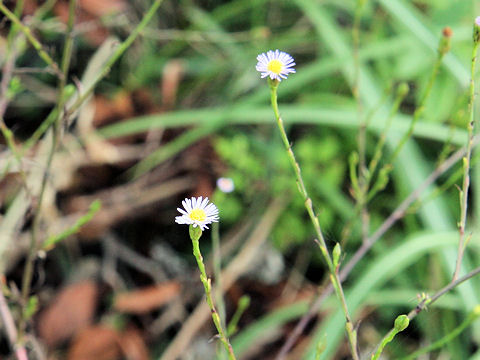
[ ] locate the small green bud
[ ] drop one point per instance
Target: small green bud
(195, 232)
(244, 302)
(15, 87)
(68, 91)
(337, 251)
(401, 322)
(353, 159)
(402, 90)
(444, 45)
(383, 179)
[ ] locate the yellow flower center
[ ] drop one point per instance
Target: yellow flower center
(275, 66)
(198, 215)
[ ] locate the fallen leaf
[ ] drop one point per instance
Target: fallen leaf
(70, 311)
(172, 74)
(96, 342)
(104, 7)
(147, 299)
(133, 346)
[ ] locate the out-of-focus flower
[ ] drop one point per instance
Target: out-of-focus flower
(197, 212)
(276, 64)
(225, 185)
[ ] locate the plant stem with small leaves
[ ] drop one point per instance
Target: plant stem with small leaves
(28, 34)
(195, 234)
(427, 301)
(467, 159)
(334, 278)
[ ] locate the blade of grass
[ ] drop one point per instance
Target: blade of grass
(293, 114)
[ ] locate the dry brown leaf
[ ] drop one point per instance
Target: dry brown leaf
(29, 7)
(172, 74)
(9, 185)
(89, 11)
(71, 311)
(133, 346)
(104, 7)
(96, 342)
(109, 110)
(147, 299)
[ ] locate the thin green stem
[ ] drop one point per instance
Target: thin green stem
(401, 93)
(362, 130)
(243, 304)
(447, 338)
(66, 57)
(119, 52)
(28, 34)
(427, 300)
(401, 323)
(444, 47)
(466, 166)
(351, 332)
(217, 273)
(13, 30)
(195, 234)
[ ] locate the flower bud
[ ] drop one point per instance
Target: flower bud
(337, 251)
(402, 90)
(401, 322)
(444, 46)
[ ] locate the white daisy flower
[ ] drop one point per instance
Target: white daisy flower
(276, 64)
(198, 212)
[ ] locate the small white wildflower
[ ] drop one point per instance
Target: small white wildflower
(276, 64)
(225, 185)
(198, 212)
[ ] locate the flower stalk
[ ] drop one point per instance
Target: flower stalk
(466, 160)
(195, 234)
(334, 278)
(198, 213)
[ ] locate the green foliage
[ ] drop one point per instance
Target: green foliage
(257, 163)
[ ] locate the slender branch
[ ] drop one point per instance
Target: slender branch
(28, 34)
(443, 48)
(334, 278)
(66, 57)
(362, 130)
(119, 52)
(427, 301)
(7, 73)
(466, 161)
(195, 234)
(448, 337)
